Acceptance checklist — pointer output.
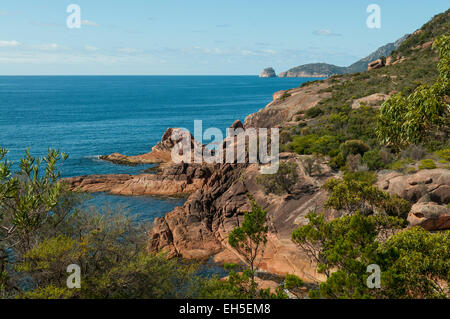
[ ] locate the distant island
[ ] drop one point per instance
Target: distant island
(268, 73)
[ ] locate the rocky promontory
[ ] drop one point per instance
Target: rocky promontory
(218, 194)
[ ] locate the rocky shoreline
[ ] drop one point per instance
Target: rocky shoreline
(218, 195)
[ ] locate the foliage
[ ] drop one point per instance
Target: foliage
(427, 164)
(292, 282)
(26, 198)
(415, 152)
(312, 164)
(414, 262)
(236, 286)
(313, 144)
(251, 237)
(351, 196)
(373, 160)
(444, 154)
(412, 119)
(281, 182)
(313, 112)
(353, 147)
(342, 249)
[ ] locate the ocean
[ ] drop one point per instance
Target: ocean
(88, 116)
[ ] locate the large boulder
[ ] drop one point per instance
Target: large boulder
(428, 191)
(430, 216)
(379, 63)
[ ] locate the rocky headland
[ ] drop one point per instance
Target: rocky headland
(217, 194)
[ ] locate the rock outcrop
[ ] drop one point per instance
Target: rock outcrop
(200, 228)
(282, 110)
(379, 63)
(374, 100)
(268, 73)
(177, 179)
(428, 191)
(160, 154)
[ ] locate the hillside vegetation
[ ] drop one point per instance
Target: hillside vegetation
(336, 121)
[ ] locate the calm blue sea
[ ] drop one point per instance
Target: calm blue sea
(94, 115)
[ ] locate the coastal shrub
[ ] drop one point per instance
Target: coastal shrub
(250, 238)
(236, 286)
(353, 147)
(284, 96)
(282, 182)
(400, 165)
(386, 156)
(422, 115)
(373, 160)
(314, 112)
(427, 164)
(415, 264)
(337, 161)
(310, 144)
(353, 163)
(395, 206)
(413, 261)
(292, 282)
(312, 164)
(350, 196)
(342, 249)
(415, 152)
(285, 137)
(444, 155)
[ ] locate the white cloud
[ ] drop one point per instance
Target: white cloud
(127, 50)
(89, 23)
(90, 48)
(47, 47)
(9, 44)
(326, 32)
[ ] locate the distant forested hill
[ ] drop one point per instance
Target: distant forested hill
(326, 70)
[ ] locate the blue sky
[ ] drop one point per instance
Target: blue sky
(196, 37)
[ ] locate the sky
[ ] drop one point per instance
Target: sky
(197, 37)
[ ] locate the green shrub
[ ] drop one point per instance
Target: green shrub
(444, 154)
(400, 164)
(282, 182)
(337, 161)
(285, 137)
(396, 206)
(353, 147)
(314, 112)
(309, 144)
(292, 282)
(427, 164)
(373, 160)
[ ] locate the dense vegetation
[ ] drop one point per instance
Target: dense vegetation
(409, 132)
(417, 109)
(43, 230)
